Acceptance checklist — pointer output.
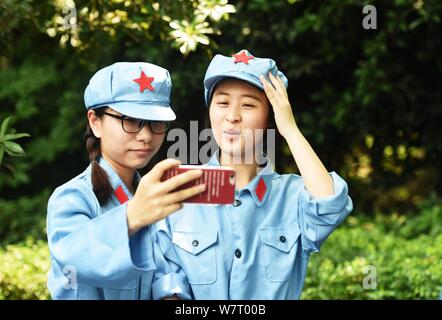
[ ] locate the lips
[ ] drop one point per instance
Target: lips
(143, 150)
(233, 132)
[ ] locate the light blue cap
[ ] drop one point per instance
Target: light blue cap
(136, 89)
(241, 65)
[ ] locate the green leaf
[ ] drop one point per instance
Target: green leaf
(13, 149)
(15, 136)
(4, 127)
(2, 152)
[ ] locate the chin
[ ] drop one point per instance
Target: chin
(231, 148)
(235, 155)
(139, 163)
(239, 155)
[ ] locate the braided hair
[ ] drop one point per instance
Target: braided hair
(100, 180)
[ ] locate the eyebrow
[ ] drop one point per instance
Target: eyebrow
(251, 97)
(219, 93)
(243, 95)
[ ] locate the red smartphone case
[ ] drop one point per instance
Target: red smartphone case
(219, 181)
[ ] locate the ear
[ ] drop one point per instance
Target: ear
(94, 123)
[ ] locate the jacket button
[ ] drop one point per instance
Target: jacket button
(238, 253)
(282, 239)
(195, 243)
(236, 203)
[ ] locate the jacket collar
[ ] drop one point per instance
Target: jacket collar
(121, 192)
(260, 185)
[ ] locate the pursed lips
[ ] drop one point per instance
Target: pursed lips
(232, 132)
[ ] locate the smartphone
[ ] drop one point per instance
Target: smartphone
(219, 181)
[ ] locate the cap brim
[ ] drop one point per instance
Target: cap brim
(213, 81)
(144, 111)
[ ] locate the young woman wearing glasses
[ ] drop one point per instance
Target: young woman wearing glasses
(98, 223)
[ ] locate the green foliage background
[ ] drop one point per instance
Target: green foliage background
(369, 101)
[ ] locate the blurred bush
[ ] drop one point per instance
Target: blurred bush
(23, 217)
(394, 256)
(23, 269)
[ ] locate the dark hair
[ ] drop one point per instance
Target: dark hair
(100, 180)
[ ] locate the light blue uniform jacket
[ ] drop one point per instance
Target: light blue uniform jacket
(92, 256)
(258, 248)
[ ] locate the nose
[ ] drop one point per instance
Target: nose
(234, 114)
(145, 134)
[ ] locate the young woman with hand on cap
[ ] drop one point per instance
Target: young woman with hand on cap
(259, 247)
(98, 223)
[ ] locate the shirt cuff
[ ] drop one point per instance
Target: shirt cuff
(327, 210)
(171, 284)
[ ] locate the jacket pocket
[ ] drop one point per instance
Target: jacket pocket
(279, 249)
(127, 291)
(197, 252)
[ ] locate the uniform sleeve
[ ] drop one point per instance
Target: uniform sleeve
(169, 278)
(97, 248)
(319, 217)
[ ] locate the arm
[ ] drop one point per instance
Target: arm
(97, 247)
(319, 217)
(324, 202)
(316, 178)
(170, 281)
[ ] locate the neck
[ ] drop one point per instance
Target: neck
(126, 174)
(244, 172)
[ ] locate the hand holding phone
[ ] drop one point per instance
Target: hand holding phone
(219, 181)
(155, 199)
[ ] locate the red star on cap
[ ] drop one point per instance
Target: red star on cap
(144, 82)
(242, 57)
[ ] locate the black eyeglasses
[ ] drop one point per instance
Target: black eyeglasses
(132, 125)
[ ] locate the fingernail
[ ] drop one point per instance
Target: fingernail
(202, 187)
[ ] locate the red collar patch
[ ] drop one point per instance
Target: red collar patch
(261, 189)
(121, 195)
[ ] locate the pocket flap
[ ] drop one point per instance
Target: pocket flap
(282, 238)
(128, 285)
(194, 242)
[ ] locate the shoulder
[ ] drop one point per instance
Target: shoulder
(76, 193)
(285, 181)
(295, 181)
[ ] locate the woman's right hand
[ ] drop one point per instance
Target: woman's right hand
(154, 199)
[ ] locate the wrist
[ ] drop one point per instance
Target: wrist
(290, 131)
(132, 225)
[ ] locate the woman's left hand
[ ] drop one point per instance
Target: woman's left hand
(278, 97)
